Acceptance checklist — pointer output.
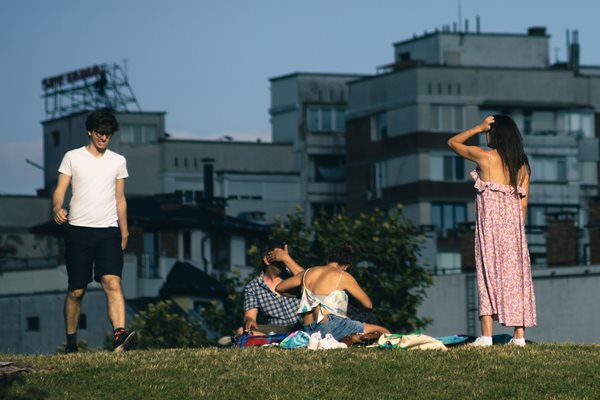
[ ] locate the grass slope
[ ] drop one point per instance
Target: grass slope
(535, 372)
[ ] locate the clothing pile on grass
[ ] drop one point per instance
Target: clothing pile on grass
(413, 341)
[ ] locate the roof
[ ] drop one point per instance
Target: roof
(164, 212)
(186, 279)
(167, 212)
(317, 74)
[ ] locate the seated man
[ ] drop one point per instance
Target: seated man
(260, 297)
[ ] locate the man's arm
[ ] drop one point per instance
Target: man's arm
(58, 199)
(250, 320)
(122, 211)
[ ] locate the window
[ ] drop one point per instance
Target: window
(379, 179)
(329, 168)
(56, 138)
(537, 213)
(379, 127)
(176, 162)
(187, 245)
(580, 123)
(220, 250)
(33, 324)
(448, 260)
(326, 119)
(137, 134)
(148, 262)
(447, 168)
(83, 321)
(447, 117)
(448, 215)
(548, 169)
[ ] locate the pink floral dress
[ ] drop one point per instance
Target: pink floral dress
(501, 255)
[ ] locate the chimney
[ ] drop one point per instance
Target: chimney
(478, 24)
(594, 230)
(208, 178)
(562, 245)
(536, 31)
(574, 52)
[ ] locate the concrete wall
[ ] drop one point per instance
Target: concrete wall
(470, 49)
(567, 300)
(48, 307)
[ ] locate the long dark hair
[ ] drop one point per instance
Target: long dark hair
(344, 254)
(506, 139)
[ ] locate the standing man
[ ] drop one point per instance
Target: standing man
(97, 226)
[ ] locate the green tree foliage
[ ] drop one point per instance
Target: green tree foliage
(388, 269)
(165, 325)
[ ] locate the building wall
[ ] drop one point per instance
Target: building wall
(473, 49)
(48, 309)
(566, 298)
(142, 158)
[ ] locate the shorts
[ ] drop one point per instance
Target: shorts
(91, 253)
(338, 327)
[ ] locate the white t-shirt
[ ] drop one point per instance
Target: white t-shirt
(93, 183)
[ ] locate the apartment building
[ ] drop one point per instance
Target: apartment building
(439, 83)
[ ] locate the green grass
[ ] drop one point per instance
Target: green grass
(547, 371)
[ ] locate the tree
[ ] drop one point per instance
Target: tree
(165, 325)
(388, 269)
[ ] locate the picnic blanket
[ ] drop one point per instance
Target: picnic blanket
(246, 340)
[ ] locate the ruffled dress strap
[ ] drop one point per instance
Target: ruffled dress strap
(482, 185)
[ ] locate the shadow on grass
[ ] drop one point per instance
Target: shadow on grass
(13, 387)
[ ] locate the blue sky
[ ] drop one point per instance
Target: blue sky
(207, 63)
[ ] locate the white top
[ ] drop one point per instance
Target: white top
(93, 183)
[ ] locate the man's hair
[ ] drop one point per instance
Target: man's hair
(344, 254)
(102, 121)
(272, 245)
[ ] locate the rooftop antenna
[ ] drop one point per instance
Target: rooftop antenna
(459, 14)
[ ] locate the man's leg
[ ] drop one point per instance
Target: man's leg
(72, 312)
(114, 300)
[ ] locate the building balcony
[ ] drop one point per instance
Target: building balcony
(327, 140)
(327, 188)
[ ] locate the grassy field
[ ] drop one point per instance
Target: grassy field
(535, 372)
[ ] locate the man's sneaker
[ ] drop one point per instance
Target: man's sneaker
(126, 341)
(329, 342)
(313, 342)
(482, 341)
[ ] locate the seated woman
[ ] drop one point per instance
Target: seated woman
(324, 301)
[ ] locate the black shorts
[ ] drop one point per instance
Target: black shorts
(91, 253)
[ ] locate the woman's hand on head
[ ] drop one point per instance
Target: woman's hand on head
(486, 124)
(278, 254)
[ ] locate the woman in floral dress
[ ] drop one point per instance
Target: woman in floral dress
(501, 255)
